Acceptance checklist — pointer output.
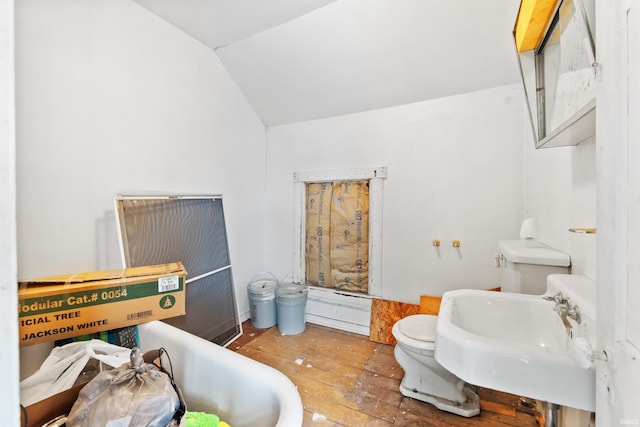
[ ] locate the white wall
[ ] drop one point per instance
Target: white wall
(454, 172)
(111, 98)
(561, 194)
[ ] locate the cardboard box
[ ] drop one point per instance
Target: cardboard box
(47, 409)
(58, 307)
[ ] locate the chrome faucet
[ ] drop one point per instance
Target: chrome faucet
(565, 309)
(557, 298)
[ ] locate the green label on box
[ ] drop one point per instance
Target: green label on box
(88, 298)
(167, 302)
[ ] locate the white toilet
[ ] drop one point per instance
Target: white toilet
(525, 265)
(424, 378)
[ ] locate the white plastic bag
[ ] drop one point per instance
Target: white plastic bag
(134, 395)
(64, 364)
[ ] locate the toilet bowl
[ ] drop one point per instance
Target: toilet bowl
(424, 378)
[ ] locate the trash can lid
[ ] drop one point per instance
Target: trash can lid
(262, 287)
(291, 290)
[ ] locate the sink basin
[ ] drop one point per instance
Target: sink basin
(517, 343)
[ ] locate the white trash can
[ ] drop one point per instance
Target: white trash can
(262, 301)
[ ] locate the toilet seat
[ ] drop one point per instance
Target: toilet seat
(417, 331)
(421, 327)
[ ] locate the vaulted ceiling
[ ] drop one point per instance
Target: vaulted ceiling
(298, 60)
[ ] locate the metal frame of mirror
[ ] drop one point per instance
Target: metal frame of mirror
(559, 79)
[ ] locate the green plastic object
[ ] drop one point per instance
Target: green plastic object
(201, 419)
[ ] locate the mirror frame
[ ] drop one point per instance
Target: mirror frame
(581, 125)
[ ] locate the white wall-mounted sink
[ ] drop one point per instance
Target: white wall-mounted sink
(518, 344)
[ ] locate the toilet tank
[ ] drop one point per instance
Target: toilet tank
(526, 263)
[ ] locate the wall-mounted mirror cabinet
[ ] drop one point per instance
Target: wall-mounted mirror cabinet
(559, 78)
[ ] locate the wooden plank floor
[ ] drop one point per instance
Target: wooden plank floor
(345, 379)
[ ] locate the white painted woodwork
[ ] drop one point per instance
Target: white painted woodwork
(617, 127)
(9, 358)
(375, 177)
(331, 307)
(339, 310)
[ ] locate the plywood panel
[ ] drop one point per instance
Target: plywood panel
(384, 314)
(430, 304)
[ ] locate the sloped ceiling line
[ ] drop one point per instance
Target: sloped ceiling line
(303, 60)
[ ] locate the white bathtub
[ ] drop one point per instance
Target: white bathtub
(239, 390)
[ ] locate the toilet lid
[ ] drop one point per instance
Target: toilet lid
(420, 327)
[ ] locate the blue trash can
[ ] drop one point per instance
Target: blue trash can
(291, 302)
